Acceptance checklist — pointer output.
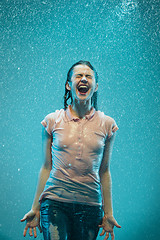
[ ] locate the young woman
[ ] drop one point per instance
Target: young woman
(73, 197)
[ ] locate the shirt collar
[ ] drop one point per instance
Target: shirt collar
(71, 117)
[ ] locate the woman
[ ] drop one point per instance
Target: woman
(74, 182)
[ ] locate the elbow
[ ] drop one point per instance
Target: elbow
(47, 167)
(105, 173)
(104, 170)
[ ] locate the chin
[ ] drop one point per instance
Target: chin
(83, 98)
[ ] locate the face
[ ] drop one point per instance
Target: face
(83, 83)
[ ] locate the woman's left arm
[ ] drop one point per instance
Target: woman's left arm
(108, 221)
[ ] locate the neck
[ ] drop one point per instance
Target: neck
(80, 109)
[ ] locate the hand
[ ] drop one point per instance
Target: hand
(33, 220)
(108, 224)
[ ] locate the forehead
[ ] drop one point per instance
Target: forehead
(82, 69)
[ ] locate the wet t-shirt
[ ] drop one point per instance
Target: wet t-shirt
(77, 151)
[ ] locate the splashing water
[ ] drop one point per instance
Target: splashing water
(126, 7)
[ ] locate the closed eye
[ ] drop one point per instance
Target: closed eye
(79, 75)
(89, 76)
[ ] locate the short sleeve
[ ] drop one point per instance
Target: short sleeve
(49, 122)
(114, 126)
(110, 126)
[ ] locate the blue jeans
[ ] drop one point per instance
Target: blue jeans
(68, 221)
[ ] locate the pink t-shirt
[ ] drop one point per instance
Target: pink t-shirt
(77, 152)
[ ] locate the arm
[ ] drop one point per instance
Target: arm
(33, 216)
(108, 222)
(45, 169)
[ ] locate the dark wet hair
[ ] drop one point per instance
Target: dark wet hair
(68, 94)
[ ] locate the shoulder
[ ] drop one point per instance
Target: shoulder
(54, 115)
(50, 120)
(107, 122)
(105, 117)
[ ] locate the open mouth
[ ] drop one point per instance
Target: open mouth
(83, 89)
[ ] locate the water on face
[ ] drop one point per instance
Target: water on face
(40, 42)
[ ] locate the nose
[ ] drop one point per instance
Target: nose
(84, 80)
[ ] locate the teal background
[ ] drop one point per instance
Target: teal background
(40, 41)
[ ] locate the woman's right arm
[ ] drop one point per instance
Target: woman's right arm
(33, 216)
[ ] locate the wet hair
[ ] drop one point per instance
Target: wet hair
(68, 94)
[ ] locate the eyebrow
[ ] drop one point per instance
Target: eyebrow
(79, 74)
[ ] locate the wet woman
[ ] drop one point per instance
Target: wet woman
(73, 196)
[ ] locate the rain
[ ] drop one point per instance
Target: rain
(40, 40)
